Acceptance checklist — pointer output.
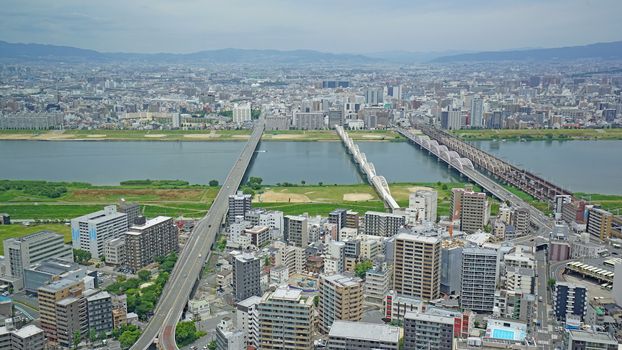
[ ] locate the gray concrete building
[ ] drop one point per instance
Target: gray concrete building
(383, 224)
(296, 230)
(479, 279)
(44, 272)
(20, 253)
(451, 270)
(246, 276)
(89, 232)
(239, 204)
(100, 312)
(428, 332)
(29, 337)
(31, 121)
(146, 241)
(348, 335)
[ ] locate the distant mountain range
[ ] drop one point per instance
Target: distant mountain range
(42, 52)
(605, 51)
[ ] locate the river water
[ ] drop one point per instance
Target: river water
(586, 166)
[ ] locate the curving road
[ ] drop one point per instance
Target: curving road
(188, 268)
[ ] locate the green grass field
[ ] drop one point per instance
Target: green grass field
(612, 203)
(17, 230)
(196, 135)
(540, 134)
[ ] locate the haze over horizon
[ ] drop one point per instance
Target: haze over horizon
(363, 26)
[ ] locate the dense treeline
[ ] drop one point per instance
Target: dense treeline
(39, 188)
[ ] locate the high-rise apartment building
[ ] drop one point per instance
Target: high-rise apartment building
(589, 340)
(241, 113)
(341, 298)
(132, 210)
(347, 335)
(569, 300)
(451, 269)
(599, 223)
(424, 331)
(416, 269)
(62, 312)
(246, 276)
(148, 240)
(285, 320)
(338, 217)
(471, 208)
(20, 253)
(89, 232)
(424, 202)
(479, 279)
(99, 310)
(239, 204)
(451, 119)
(296, 230)
(383, 224)
(374, 96)
(309, 121)
(477, 113)
(29, 337)
(520, 220)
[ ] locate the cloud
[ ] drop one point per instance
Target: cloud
(327, 25)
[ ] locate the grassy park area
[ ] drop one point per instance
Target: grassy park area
(539, 134)
(16, 231)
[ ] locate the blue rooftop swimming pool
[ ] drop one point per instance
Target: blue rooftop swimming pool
(503, 334)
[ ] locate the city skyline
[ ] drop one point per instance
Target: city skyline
(361, 27)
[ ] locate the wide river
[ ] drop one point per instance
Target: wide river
(586, 166)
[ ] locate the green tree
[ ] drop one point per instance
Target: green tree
(320, 183)
(316, 300)
(213, 183)
(186, 333)
(266, 261)
(303, 182)
(76, 339)
(92, 335)
(129, 337)
(361, 268)
(81, 256)
(212, 345)
(144, 275)
(551, 283)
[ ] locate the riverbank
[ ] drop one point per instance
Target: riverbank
(194, 135)
(539, 134)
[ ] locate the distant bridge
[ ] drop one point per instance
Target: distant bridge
(367, 168)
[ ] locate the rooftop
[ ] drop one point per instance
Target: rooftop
(151, 222)
(365, 331)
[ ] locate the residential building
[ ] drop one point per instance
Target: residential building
(451, 119)
(309, 121)
(61, 311)
(395, 306)
(338, 217)
(477, 113)
(296, 230)
(114, 251)
(348, 335)
(150, 239)
(246, 276)
(239, 204)
(569, 300)
(451, 269)
(246, 316)
(479, 279)
(260, 235)
(50, 270)
(241, 113)
(471, 208)
(599, 223)
(416, 269)
(586, 340)
(20, 253)
(424, 331)
(292, 257)
(341, 298)
(132, 210)
(29, 337)
(374, 96)
(423, 203)
(377, 283)
(383, 224)
(520, 220)
(617, 284)
(89, 232)
(228, 337)
(285, 320)
(100, 312)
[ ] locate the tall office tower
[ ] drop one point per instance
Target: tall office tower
(424, 331)
(425, 203)
(347, 335)
(239, 204)
(246, 276)
(241, 113)
(89, 232)
(29, 337)
(569, 300)
(341, 298)
(451, 269)
(100, 312)
(383, 224)
(520, 220)
(599, 223)
(285, 320)
(479, 279)
(416, 269)
(338, 217)
(477, 113)
(147, 240)
(471, 208)
(132, 210)
(20, 253)
(296, 230)
(55, 301)
(374, 96)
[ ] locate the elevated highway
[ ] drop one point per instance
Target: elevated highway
(187, 270)
(367, 168)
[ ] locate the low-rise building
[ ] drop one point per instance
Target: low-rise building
(348, 335)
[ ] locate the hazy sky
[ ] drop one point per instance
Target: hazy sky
(327, 25)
